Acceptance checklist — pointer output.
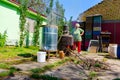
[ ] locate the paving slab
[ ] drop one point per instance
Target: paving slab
(3, 70)
(32, 65)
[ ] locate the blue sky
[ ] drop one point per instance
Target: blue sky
(75, 7)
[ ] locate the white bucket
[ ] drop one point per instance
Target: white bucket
(112, 50)
(41, 56)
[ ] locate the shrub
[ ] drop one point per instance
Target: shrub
(3, 38)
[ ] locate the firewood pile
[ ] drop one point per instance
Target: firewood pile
(88, 63)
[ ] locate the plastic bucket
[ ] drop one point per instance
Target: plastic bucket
(114, 51)
(41, 56)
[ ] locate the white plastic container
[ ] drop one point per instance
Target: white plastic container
(41, 56)
(112, 50)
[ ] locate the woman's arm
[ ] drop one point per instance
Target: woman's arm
(81, 31)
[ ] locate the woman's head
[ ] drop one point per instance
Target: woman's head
(77, 25)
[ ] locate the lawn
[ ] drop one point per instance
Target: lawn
(9, 53)
(91, 65)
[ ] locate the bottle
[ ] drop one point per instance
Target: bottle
(61, 54)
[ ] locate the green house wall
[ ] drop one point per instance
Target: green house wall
(9, 20)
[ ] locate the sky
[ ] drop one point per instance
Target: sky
(75, 7)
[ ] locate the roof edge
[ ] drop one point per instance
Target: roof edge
(17, 6)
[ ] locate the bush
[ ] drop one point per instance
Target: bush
(3, 38)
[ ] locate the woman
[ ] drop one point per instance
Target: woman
(77, 35)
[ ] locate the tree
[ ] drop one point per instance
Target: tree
(39, 6)
(49, 12)
(36, 5)
(60, 20)
(23, 15)
(39, 21)
(44, 7)
(70, 24)
(3, 38)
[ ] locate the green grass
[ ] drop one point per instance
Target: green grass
(3, 74)
(9, 53)
(92, 74)
(10, 72)
(14, 55)
(98, 65)
(4, 66)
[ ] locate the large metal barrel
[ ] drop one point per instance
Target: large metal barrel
(66, 40)
(50, 36)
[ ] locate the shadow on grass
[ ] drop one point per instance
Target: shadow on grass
(28, 55)
(44, 77)
(108, 56)
(34, 58)
(116, 79)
